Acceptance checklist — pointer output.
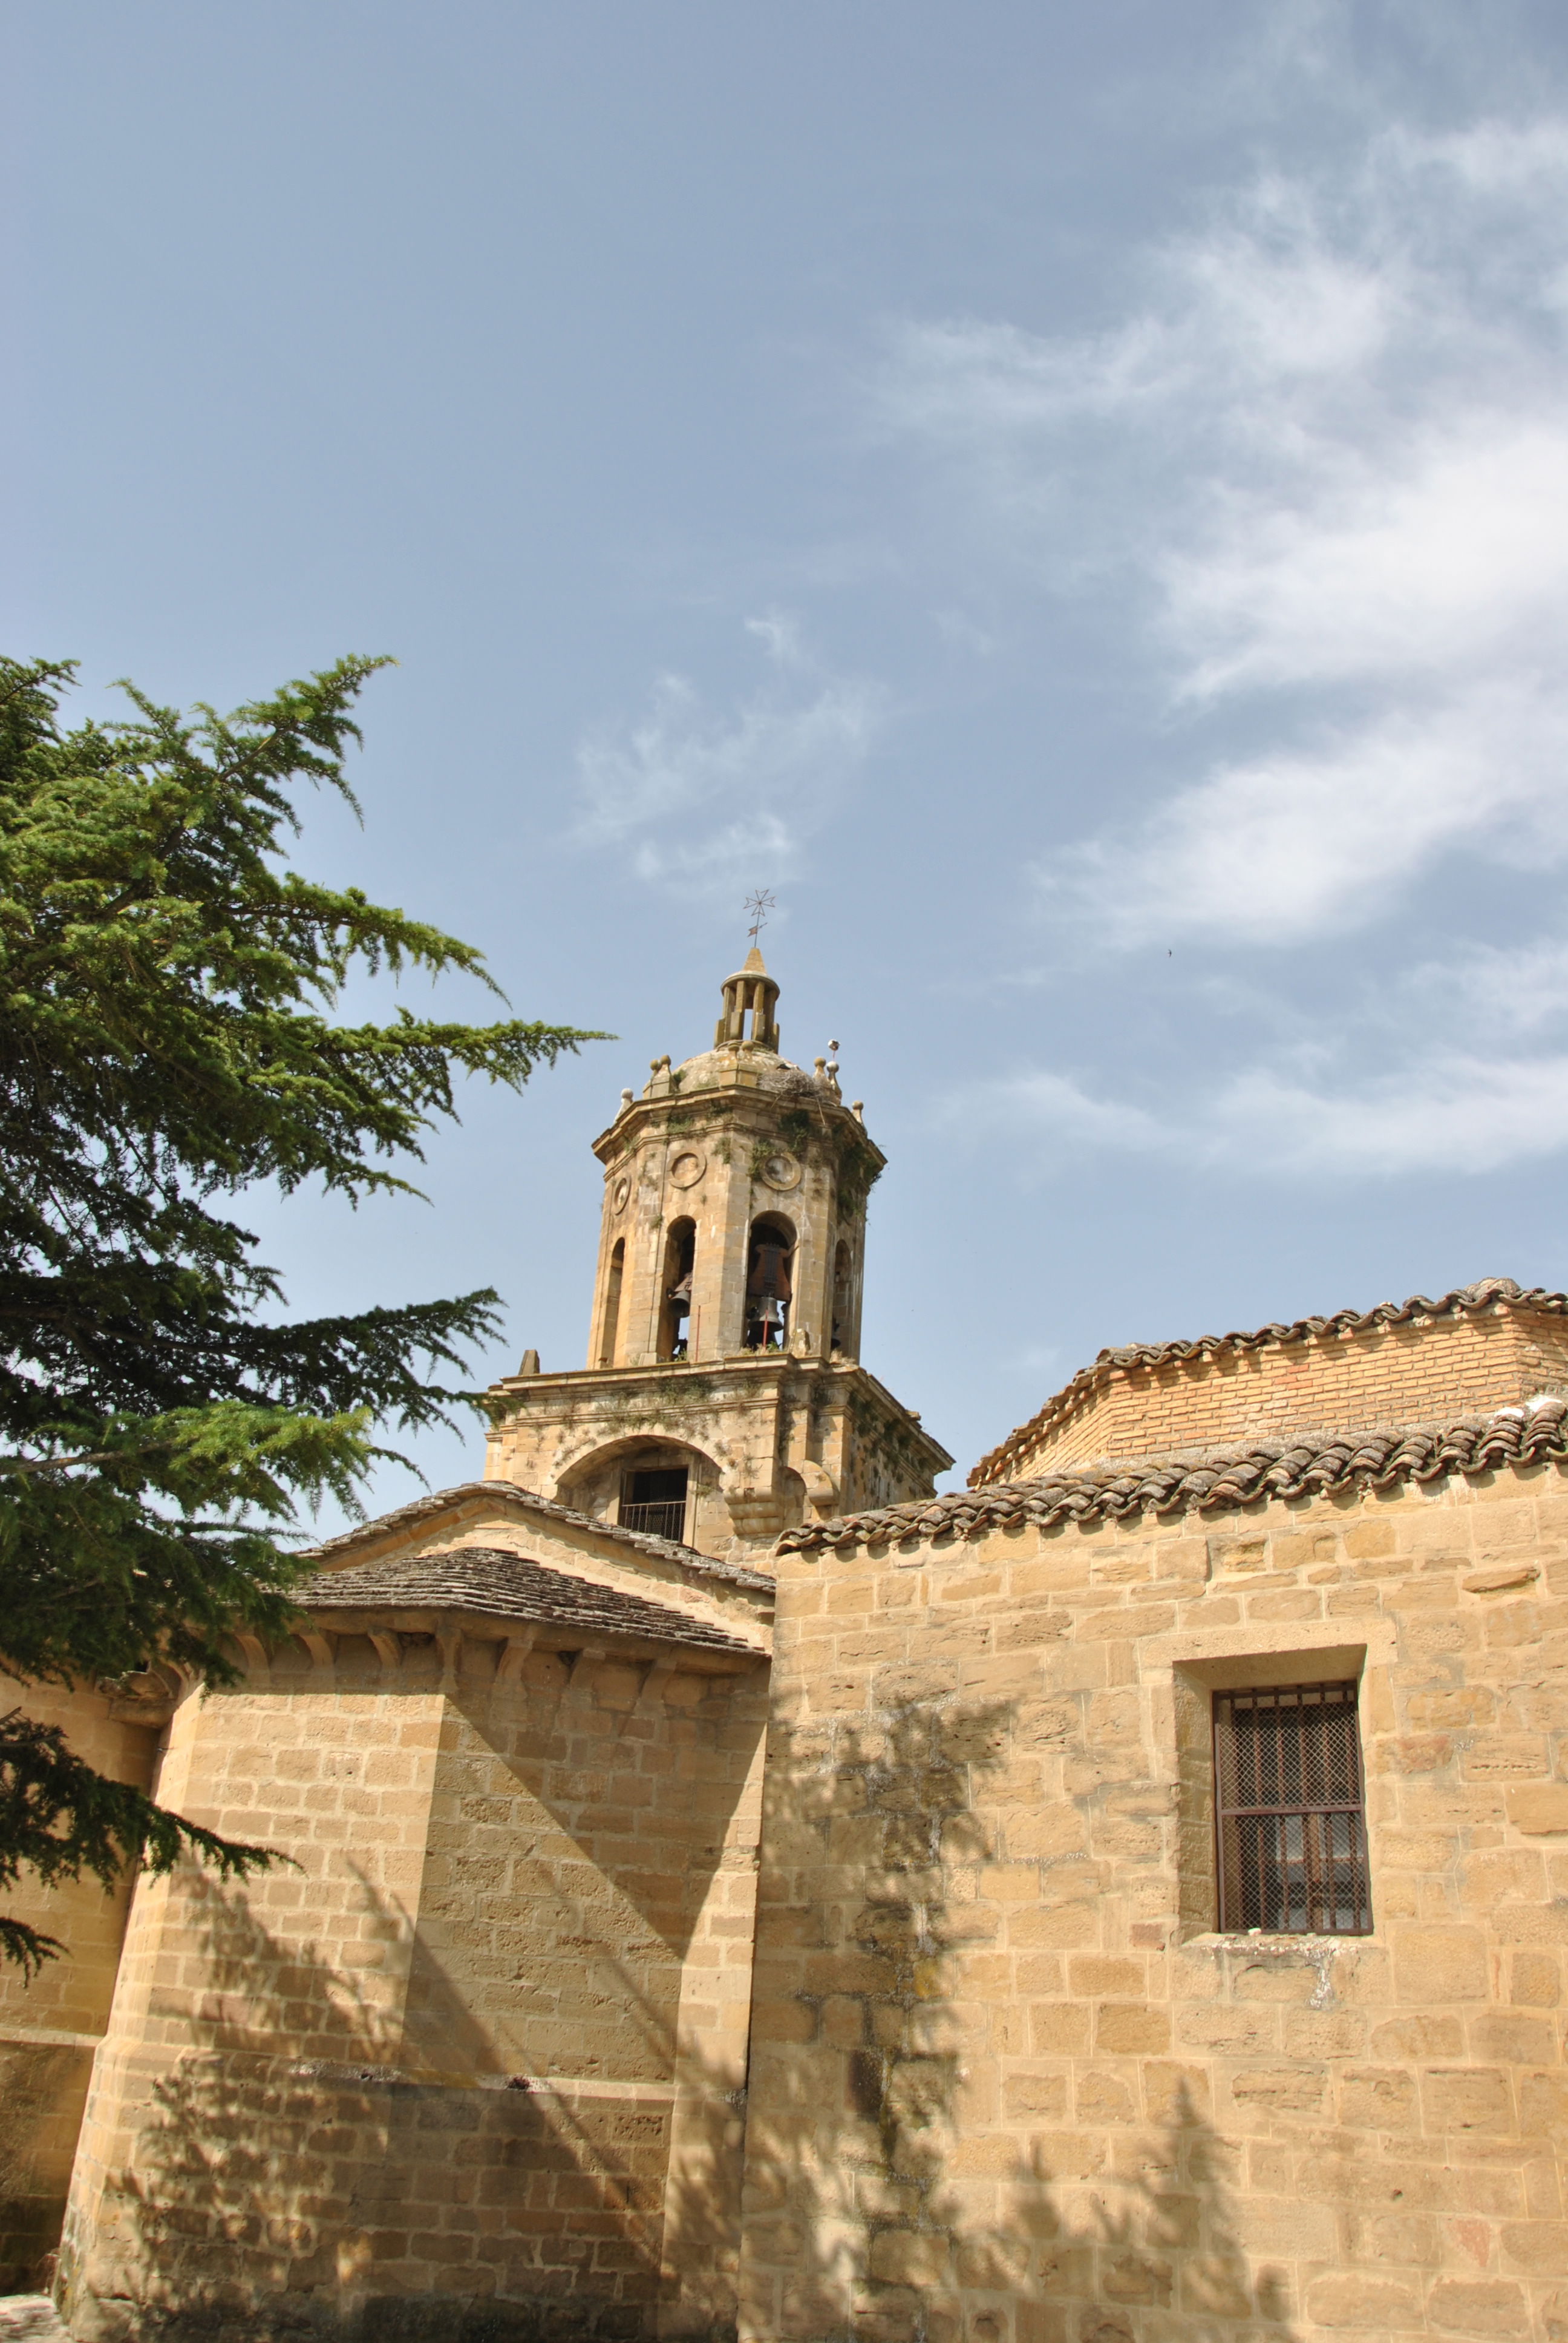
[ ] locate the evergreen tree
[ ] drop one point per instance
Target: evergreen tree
(166, 1038)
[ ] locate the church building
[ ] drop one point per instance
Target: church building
(737, 1891)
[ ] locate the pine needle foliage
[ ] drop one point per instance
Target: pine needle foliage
(167, 1039)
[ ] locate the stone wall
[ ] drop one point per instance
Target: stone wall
(771, 1440)
(1347, 1378)
(50, 2026)
(475, 2055)
(1011, 2084)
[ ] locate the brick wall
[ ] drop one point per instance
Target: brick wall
(474, 2052)
(1339, 1380)
(1009, 2085)
(50, 2026)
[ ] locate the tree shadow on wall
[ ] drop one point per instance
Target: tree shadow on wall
(890, 2195)
(290, 2178)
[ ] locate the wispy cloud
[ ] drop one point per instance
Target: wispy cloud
(1065, 1117)
(1297, 842)
(1327, 451)
(706, 797)
(1445, 1111)
(1457, 1066)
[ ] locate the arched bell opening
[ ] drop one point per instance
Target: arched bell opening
(769, 1258)
(675, 1290)
(609, 1316)
(840, 1319)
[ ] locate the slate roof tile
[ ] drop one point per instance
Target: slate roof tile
(524, 1500)
(501, 1584)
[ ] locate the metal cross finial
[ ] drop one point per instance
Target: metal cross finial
(759, 903)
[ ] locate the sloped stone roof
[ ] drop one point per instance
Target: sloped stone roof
(500, 1584)
(1211, 1480)
(1463, 1301)
(513, 1496)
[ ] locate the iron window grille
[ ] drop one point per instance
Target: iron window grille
(655, 1501)
(1289, 1822)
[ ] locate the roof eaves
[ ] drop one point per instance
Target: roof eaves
(494, 1582)
(1216, 1479)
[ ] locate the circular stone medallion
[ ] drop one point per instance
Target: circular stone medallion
(619, 1195)
(780, 1169)
(687, 1168)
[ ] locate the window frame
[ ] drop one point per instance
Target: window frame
(1305, 1696)
(653, 1516)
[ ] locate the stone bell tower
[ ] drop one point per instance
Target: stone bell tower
(723, 1399)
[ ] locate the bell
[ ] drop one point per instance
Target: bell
(769, 1274)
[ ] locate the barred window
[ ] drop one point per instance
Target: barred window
(1288, 1810)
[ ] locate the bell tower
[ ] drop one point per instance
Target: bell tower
(723, 1399)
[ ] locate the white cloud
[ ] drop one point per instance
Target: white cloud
(707, 797)
(1486, 991)
(1455, 1066)
(1453, 558)
(1448, 1111)
(1283, 847)
(1057, 1108)
(1328, 454)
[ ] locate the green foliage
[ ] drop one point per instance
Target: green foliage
(856, 1168)
(166, 1038)
(859, 1172)
(59, 1818)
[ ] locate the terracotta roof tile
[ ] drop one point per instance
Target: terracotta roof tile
(504, 1585)
(1464, 1300)
(1211, 1480)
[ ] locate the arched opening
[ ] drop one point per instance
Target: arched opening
(657, 1486)
(675, 1289)
(840, 1317)
(609, 1318)
(767, 1283)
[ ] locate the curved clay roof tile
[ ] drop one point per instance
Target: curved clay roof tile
(1217, 1479)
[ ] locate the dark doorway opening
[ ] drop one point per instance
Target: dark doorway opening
(655, 1501)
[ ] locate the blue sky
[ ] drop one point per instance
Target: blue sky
(1074, 498)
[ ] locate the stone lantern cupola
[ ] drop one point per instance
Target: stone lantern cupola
(751, 1006)
(723, 1399)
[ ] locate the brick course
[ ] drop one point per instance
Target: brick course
(1482, 1347)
